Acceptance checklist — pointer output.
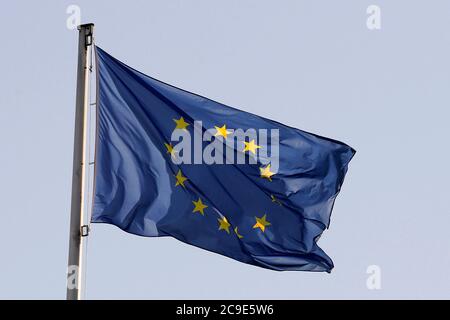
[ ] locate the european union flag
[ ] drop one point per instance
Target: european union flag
(173, 163)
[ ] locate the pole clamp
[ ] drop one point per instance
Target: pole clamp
(89, 38)
(84, 230)
(88, 30)
(89, 34)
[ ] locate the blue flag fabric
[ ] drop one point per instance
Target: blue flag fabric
(258, 212)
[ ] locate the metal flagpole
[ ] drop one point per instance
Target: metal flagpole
(78, 230)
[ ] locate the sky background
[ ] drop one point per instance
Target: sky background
(313, 65)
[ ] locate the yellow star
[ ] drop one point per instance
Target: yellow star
(275, 199)
(180, 179)
(199, 206)
(224, 224)
(222, 131)
(251, 146)
(266, 173)
(181, 124)
(170, 149)
(261, 223)
(237, 233)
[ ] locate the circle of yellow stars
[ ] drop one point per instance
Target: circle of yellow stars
(261, 223)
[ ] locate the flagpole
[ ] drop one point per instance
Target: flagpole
(78, 229)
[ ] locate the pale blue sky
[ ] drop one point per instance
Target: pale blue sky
(310, 64)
